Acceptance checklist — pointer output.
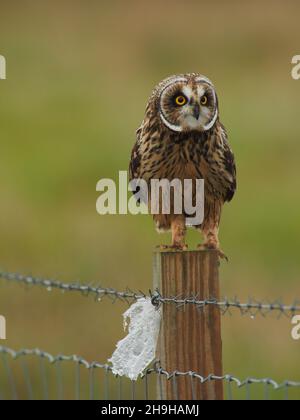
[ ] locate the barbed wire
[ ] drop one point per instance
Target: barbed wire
(155, 369)
(252, 307)
(85, 289)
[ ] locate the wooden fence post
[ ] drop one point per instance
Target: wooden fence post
(190, 337)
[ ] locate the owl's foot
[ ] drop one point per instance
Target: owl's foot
(211, 246)
(175, 247)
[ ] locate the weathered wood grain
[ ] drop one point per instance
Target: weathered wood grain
(190, 338)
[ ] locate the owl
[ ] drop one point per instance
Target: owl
(181, 137)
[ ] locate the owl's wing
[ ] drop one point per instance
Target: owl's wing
(134, 165)
(135, 169)
(230, 170)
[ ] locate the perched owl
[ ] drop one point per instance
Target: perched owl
(181, 137)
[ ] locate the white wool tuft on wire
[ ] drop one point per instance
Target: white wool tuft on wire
(137, 350)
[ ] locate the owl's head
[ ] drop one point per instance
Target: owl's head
(187, 103)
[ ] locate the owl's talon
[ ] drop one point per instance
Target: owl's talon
(222, 255)
(206, 247)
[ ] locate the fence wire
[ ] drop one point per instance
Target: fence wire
(36, 383)
(252, 307)
(36, 374)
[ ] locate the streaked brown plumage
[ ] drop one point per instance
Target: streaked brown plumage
(186, 142)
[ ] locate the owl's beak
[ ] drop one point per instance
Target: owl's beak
(196, 111)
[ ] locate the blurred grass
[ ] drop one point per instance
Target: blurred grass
(78, 80)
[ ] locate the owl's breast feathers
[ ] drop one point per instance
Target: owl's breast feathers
(160, 153)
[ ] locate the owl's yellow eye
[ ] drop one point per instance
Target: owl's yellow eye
(204, 100)
(180, 100)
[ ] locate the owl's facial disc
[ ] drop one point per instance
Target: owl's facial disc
(188, 105)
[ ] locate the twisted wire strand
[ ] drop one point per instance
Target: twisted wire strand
(156, 369)
(84, 289)
(252, 307)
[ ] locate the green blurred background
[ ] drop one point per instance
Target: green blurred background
(78, 78)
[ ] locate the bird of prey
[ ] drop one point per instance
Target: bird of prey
(181, 137)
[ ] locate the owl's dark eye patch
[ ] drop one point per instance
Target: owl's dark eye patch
(179, 99)
(208, 98)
